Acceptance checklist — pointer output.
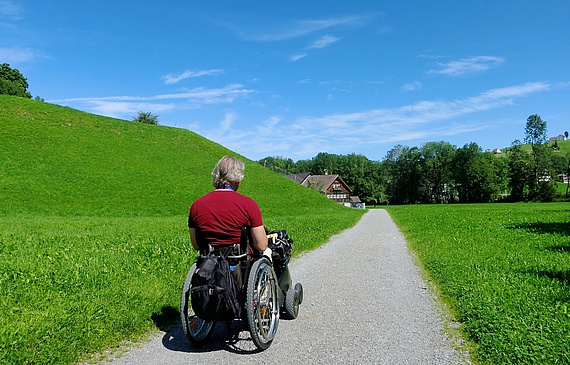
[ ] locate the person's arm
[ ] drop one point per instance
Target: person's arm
(259, 238)
(193, 238)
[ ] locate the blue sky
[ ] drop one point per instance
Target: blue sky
(296, 78)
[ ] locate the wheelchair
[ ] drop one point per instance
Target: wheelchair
(266, 293)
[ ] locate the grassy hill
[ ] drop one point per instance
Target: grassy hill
(93, 240)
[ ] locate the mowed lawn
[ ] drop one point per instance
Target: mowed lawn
(504, 269)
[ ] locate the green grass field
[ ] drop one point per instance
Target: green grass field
(504, 269)
(94, 247)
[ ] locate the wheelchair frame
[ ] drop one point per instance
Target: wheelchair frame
(263, 295)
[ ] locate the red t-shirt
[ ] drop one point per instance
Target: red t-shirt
(220, 214)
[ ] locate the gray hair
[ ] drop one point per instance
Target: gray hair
(228, 169)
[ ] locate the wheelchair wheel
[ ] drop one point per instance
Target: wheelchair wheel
(292, 300)
(262, 303)
(197, 330)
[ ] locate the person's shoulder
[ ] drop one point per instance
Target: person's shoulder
(244, 198)
(203, 197)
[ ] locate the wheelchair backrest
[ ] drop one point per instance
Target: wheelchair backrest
(232, 252)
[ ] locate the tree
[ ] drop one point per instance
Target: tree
(536, 135)
(437, 182)
(519, 171)
(325, 163)
(363, 176)
(12, 82)
(463, 164)
(278, 164)
(146, 118)
(402, 174)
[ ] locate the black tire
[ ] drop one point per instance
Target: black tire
(291, 304)
(262, 303)
(197, 330)
(299, 292)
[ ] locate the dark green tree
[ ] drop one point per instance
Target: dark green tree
(463, 163)
(363, 176)
(12, 82)
(437, 182)
(146, 118)
(568, 174)
(278, 164)
(326, 163)
(559, 163)
(402, 174)
(303, 166)
(519, 163)
(536, 136)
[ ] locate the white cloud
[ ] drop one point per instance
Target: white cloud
(416, 85)
(15, 55)
(304, 27)
(324, 42)
(173, 79)
(118, 106)
(424, 119)
(468, 65)
(226, 124)
(297, 57)
(125, 109)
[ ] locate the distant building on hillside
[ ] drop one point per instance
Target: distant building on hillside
(560, 137)
(332, 186)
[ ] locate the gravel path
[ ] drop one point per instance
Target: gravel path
(364, 303)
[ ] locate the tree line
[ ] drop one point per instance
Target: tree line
(439, 172)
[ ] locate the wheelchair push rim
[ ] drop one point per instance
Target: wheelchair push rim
(197, 330)
(262, 303)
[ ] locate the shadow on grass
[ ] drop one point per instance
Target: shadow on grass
(545, 227)
(562, 276)
(167, 317)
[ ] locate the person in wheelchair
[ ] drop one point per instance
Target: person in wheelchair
(220, 214)
(221, 221)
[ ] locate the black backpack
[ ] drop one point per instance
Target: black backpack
(215, 293)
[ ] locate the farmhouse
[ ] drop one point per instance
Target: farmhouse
(332, 186)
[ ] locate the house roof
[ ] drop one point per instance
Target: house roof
(323, 182)
(300, 177)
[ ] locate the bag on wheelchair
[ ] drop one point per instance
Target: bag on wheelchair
(215, 293)
(281, 246)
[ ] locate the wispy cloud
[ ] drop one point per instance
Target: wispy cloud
(424, 119)
(324, 42)
(304, 27)
(118, 106)
(468, 65)
(10, 9)
(297, 57)
(15, 55)
(173, 79)
(412, 86)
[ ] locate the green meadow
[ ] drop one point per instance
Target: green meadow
(94, 247)
(503, 270)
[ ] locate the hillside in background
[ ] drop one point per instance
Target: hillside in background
(59, 161)
(94, 246)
